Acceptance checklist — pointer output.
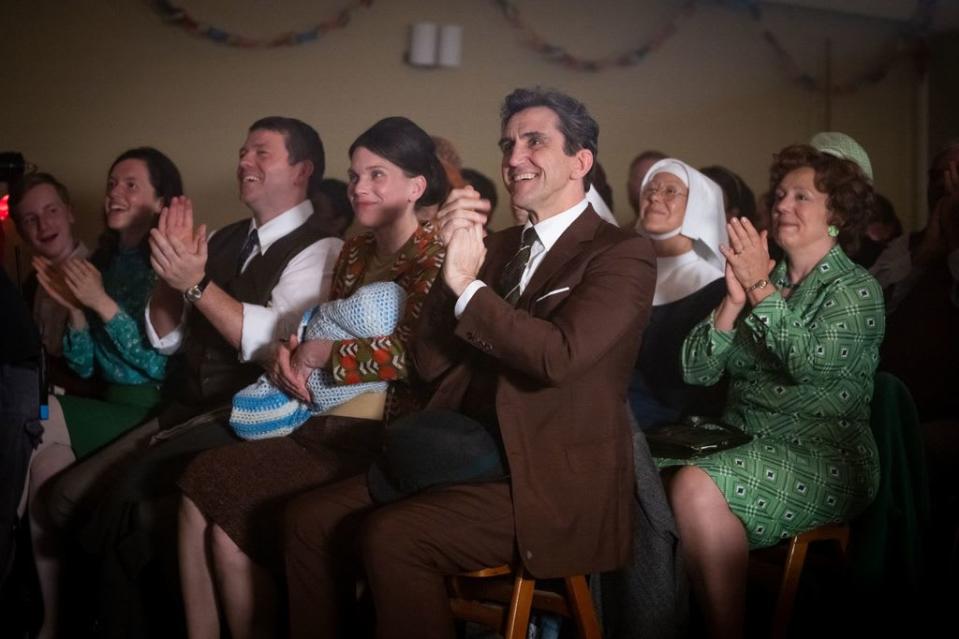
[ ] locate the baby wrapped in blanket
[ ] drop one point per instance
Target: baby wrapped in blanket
(262, 410)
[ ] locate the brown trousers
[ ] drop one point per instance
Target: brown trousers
(406, 549)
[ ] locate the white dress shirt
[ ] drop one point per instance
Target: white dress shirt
(304, 283)
(547, 233)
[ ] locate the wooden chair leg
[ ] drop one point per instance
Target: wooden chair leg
(513, 622)
(795, 559)
(581, 607)
(517, 621)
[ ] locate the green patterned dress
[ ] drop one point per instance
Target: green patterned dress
(801, 377)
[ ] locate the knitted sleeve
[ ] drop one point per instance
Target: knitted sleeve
(384, 358)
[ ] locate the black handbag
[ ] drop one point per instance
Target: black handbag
(694, 437)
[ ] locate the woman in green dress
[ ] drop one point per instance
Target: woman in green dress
(800, 342)
(106, 296)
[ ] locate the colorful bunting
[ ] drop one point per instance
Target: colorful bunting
(177, 16)
(909, 41)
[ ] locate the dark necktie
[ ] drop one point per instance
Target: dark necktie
(513, 273)
(252, 241)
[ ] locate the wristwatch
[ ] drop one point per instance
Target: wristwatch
(758, 285)
(195, 292)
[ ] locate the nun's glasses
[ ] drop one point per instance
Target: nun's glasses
(668, 194)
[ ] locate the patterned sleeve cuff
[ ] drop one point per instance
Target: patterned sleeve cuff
(75, 338)
(764, 315)
(121, 327)
(78, 350)
(719, 341)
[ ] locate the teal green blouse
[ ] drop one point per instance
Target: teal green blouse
(119, 349)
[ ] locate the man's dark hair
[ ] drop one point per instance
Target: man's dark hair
(20, 188)
(579, 129)
(302, 143)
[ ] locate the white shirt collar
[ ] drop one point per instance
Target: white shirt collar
(80, 250)
(551, 228)
(283, 224)
(599, 205)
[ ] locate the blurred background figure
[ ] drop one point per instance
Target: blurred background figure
(882, 227)
(486, 188)
(339, 204)
(600, 195)
(738, 199)
(449, 158)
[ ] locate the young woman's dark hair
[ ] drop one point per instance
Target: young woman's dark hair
(409, 147)
(850, 198)
(165, 180)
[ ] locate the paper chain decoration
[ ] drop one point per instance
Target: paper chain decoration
(909, 40)
(178, 16)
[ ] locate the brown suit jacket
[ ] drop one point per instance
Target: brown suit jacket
(562, 359)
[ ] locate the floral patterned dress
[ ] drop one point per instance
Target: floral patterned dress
(119, 349)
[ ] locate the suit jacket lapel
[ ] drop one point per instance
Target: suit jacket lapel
(564, 250)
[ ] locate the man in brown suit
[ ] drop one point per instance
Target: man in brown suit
(531, 337)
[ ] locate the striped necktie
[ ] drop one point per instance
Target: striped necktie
(252, 241)
(513, 273)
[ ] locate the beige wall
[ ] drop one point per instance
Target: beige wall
(89, 79)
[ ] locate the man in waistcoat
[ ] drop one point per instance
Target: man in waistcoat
(530, 339)
(221, 305)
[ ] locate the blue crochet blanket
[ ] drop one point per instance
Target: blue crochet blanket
(261, 410)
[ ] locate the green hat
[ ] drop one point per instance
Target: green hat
(842, 146)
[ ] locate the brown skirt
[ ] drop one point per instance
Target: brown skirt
(245, 487)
